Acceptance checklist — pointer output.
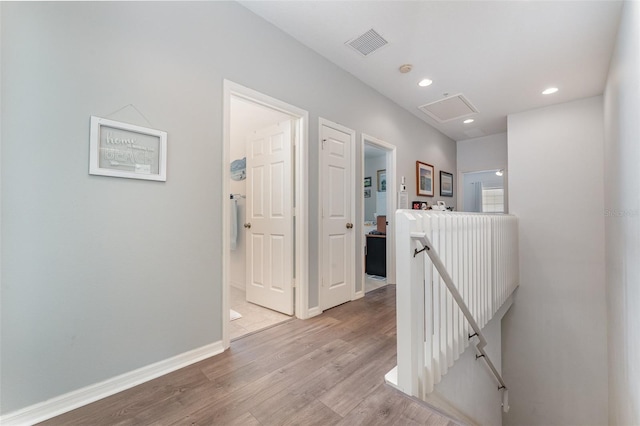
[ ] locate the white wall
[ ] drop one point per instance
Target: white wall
(555, 335)
(237, 151)
(470, 385)
(484, 153)
(245, 117)
(100, 275)
(622, 220)
(480, 154)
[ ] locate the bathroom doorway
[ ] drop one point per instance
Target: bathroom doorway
(265, 243)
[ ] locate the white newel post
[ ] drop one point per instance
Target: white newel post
(410, 296)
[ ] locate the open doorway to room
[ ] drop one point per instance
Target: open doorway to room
(264, 242)
(483, 191)
(378, 207)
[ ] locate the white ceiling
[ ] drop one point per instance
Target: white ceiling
(248, 116)
(499, 54)
(371, 151)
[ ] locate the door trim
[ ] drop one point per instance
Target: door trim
(392, 196)
(352, 135)
(301, 206)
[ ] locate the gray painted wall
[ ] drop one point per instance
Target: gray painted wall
(554, 337)
(622, 220)
(102, 275)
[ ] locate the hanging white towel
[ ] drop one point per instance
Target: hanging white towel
(233, 224)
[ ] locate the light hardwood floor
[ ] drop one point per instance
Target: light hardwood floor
(328, 370)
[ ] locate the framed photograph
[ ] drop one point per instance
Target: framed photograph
(367, 181)
(382, 180)
(128, 151)
(367, 193)
(446, 184)
(424, 179)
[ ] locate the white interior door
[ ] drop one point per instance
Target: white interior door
(269, 225)
(338, 242)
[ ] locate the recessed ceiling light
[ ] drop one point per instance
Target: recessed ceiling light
(550, 90)
(425, 82)
(468, 120)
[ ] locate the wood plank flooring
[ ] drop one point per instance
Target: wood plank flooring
(328, 370)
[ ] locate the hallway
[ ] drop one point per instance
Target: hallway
(327, 370)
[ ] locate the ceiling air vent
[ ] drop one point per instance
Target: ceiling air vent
(450, 108)
(368, 42)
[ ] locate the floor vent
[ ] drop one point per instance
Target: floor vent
(368, 42)
(449, 108)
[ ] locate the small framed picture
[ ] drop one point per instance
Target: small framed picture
(424, 178)
(382, 180)
(128, 151)
(367, 193)
(446, 184)
(367, 182)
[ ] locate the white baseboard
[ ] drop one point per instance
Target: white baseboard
(70, 401)
(444, 406)
(391, 378)
(239, 286)
(315, 311)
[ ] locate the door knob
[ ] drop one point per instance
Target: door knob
(247, 225)
(349, 225)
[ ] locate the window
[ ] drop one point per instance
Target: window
(493, 200)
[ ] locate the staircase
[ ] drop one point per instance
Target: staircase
(455, 273)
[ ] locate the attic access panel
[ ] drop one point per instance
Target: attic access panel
(450, 108)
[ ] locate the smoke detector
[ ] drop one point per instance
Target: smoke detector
(405, 68)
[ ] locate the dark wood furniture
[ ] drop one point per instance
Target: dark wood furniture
(376, 258)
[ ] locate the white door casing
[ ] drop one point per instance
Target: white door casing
(392, 195)
(301, 185)
(337, 203)
(269, 226)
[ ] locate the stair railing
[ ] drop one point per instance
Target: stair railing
(447, 296)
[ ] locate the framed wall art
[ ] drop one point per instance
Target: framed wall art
(125, 150)
(446, 184)
(382, 180)
(424, 179)
(367, 182)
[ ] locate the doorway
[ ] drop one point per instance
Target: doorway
(378, 205)
(483, 191)
(264, 173)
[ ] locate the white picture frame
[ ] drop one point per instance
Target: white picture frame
(128, 151)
